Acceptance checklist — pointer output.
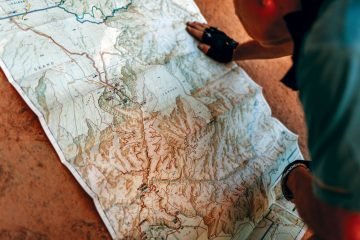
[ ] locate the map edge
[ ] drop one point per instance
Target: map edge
(58, 150)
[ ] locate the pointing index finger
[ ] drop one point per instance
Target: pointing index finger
(198, 26)
(195, 32)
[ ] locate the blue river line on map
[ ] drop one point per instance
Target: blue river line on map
(79, 18)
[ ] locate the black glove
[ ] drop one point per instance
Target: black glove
(221, 46)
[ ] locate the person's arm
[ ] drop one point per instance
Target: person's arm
(319, 217)
(246, 51)
(326, 221)
(253, 50)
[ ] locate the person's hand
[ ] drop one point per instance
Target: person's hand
(213, 42)
(197, 30)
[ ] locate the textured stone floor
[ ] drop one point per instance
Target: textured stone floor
(39, 198)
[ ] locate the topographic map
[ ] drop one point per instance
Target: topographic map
(168, 143)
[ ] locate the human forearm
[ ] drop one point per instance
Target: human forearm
(219, 42)
(323, 219)
(253, 50)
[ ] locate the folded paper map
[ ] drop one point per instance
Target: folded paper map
(168, 143)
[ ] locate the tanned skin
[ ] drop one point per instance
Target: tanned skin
(246, 51)
(263, 20)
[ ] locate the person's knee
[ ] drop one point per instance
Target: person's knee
(263, 19)
(351, 226)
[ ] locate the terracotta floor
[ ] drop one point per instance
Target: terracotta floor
(39, 198)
